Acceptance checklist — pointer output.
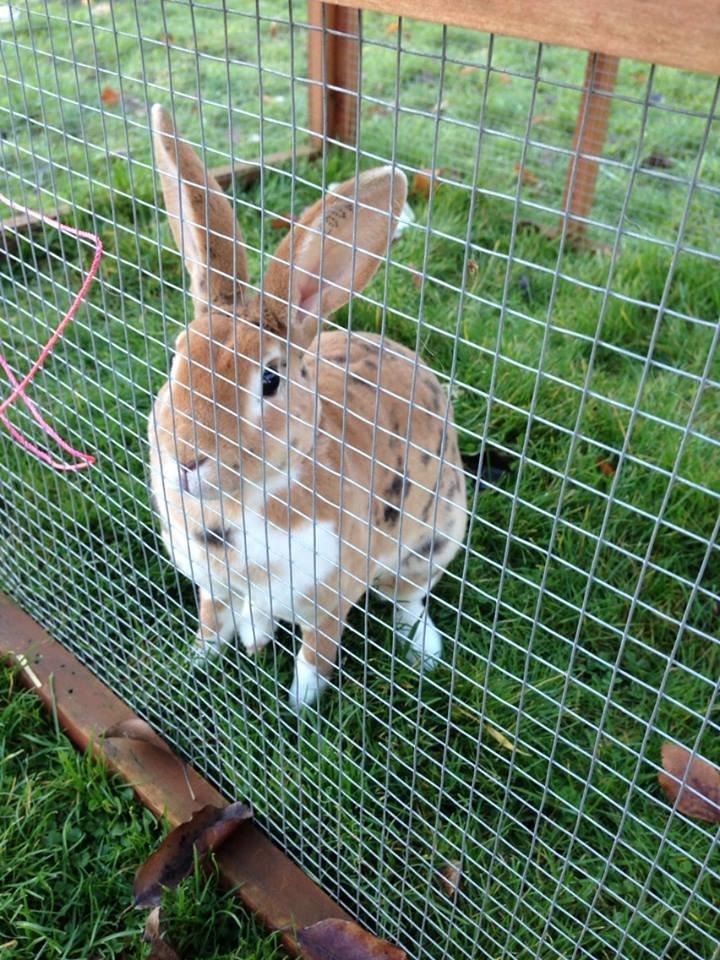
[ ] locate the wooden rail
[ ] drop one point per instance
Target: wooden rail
(677, 33)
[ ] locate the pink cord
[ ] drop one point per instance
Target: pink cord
(18, 391)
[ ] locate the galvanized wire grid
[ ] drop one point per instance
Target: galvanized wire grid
(505, 805)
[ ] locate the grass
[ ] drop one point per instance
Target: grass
(579, 642)
(71, 839)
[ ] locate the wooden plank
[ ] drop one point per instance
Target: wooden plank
(347, 74)
(267, 881)
(320, 70)
(334, 71)
(248, 171)
(679, 34)
(590, 131)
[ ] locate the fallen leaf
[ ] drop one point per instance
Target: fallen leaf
(137, 729)
(465, 71)
(504, 78)
(449, 877)
(472, 266)
(110, 97)
(282, 222)
(699, 796)
(168, 38)
(273, 29)
(503, 740)
(345, 940)
(541, 118)
(639, 77)
(206, 830)
(393, 27)
(152, 925)
(159, 949)
(422, 181)
(527, 175)
(607, 467)
(658, 160)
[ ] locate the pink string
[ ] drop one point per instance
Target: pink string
(18, 391)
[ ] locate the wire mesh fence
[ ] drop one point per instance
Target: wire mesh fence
(505, 803)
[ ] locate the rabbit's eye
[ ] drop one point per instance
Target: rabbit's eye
(270, 382)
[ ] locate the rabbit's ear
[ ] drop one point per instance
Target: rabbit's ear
(201, 218)
(335, 248)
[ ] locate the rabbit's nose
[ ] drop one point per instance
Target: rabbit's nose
(188, 469)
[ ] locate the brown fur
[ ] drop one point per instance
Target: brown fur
(364, 418)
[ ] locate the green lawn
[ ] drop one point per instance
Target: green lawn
(71, 839)
(580, 640)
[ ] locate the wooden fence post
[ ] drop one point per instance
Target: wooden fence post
(590, 131)
(333, 71)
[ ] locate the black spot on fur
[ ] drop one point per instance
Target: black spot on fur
(427, 509)
(440, 544)
(425, 457)
(425, 547)
(394, 493)
(362, 382)
(303, 372)
(214, 536)
(390, 514)
(396, 426)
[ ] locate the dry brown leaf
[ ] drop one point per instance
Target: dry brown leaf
(206, 830)
(393, 27)
(345, 940)
(639, 77)
(422, 181)
(110, 97)
(168, 38)
(282, 222)
(700, 794)
(159, 949)
(465, 71)
(540, 118)
(472, 266)
(273, 29)
(450, 876)
(607, 467)
(527, 175)
(152, 925)
(504, 78)
(658, 161)
(137, 729)
(503, 740)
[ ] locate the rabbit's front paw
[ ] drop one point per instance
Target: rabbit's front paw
(255, 630)
(206, 647)
(308, 683)
(422, 636)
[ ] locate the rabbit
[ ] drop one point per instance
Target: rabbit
(294, 469)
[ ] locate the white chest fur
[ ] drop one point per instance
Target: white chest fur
(235, 553)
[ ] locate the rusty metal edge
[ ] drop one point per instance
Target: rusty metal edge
(269, 884)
